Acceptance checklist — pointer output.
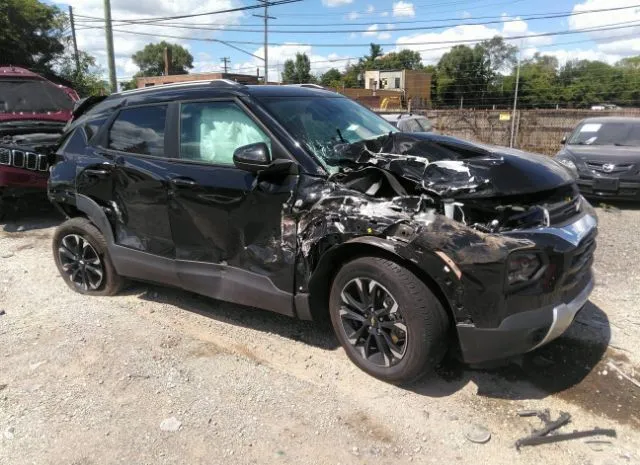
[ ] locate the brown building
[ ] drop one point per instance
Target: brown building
(159, 80)
(414, 85)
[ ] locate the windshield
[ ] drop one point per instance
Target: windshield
(322, 123)
(625, 133)
(32, 96)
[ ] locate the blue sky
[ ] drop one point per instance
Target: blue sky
(437, 26)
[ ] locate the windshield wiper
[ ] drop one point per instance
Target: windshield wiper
(618, 144)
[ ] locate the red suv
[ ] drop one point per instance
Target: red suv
(33, 112)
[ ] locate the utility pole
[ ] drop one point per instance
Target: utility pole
(109, 35)
(167, 61)
(515, 104)
(266, 18)
(461, 101)
(225, 60)
(75, 44)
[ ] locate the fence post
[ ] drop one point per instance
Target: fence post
(517, 129)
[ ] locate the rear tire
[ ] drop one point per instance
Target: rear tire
(82, 257)
(399, 331)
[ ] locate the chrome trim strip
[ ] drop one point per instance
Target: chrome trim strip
(43, 163)
(31, 160)
(564, 314)
(24, 156)
(7, 155)
(572, 233)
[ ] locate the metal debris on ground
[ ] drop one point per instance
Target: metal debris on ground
(478, 434)
(543, 435)
(623, 374)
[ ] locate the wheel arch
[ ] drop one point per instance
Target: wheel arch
(95, 213)
(367, 246)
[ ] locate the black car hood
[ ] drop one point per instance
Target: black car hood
(450, 167)
(603, 153)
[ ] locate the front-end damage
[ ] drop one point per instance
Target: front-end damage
(458, 214)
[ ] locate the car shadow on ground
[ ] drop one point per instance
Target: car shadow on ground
(613, 205)
(575, 367)
(29, 215)
(319, 335)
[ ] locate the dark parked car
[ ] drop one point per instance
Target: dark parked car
(303, 202)
(604, 153)
(33, 112)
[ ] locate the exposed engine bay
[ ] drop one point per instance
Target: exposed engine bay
(482, 187)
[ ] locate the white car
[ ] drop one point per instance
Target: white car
(409, 123)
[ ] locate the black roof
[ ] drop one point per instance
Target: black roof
(201, 89)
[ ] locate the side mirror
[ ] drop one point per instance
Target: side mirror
(564, 140)
(252, 157)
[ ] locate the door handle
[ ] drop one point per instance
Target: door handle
(225, 199)
(183, 182)
(97, 172)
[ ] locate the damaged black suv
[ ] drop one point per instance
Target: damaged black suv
(301, 201)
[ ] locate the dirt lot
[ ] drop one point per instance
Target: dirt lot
(160, 376)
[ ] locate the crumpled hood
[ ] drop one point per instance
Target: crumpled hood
(450, 167)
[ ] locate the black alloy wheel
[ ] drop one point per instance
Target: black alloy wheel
(80, 262)
(389, 322)
(372, 322)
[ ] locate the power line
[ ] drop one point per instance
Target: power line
(431, 7)
(607, 27)
(209, 13)
(415, 28)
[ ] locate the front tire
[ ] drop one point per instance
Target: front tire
(389, 322)
(82, 257)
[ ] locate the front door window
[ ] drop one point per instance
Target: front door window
(211, 131)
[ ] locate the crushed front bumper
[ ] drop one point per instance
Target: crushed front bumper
(523, 331)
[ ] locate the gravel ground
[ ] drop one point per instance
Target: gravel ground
(160, 376)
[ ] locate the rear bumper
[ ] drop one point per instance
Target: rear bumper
(21, 178)
(520, 332)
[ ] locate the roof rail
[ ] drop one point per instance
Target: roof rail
(226, 82)
(214, 82)
(315, 86)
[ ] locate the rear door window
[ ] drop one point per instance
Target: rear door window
(139, 130)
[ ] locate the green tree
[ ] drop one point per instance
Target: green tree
(331, 78)
(86, 80)
(539, 86)
(585, 83)
(150, 59)
(630, 69)
(499, 55)
(463, 76)
(375, 51)
(404, 59)
(31, 34)
(298, 71)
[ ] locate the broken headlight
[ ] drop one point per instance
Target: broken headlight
(523, 267)
(568, 164)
